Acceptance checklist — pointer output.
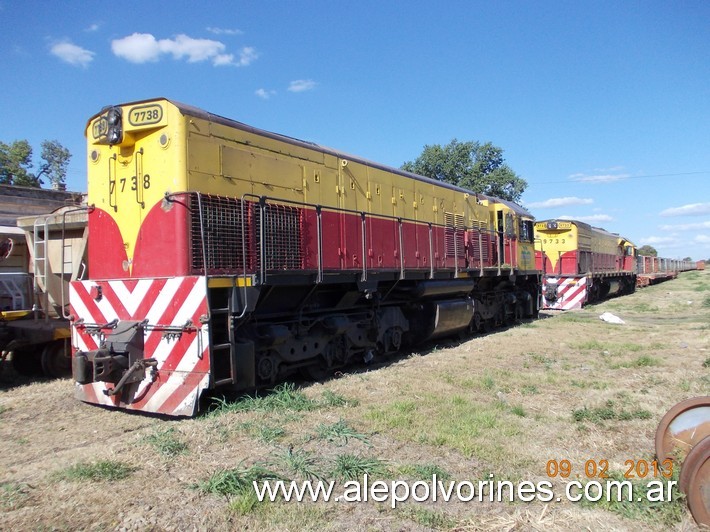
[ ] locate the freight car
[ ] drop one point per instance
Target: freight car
(227, 257)
(581, 263)
(41, 256)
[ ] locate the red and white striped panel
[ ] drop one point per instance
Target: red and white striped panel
(183, 369)
(571, 292)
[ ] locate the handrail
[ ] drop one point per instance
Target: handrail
(495, 239)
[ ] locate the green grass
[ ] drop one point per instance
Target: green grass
(237, 481)
(424, 472)
(104, 470)
(167, 442)
(13, 495)
(352, 467)
(706, 302)
(284, 397)
(608, 412)
(427, 518)
(644, 361)
(473, 427)
(339, 433)
(668, 513)
(298, 463)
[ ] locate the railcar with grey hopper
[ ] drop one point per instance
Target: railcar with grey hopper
(227, 257)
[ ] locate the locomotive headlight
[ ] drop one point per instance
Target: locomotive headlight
(115, 129)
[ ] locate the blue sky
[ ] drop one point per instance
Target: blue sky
(603, 107)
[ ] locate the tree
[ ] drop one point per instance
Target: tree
(688, 259)
(648, 251)
(472, 165)
(16, 162)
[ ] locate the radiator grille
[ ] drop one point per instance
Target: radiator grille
(282, 237)
(454, 235)
(232, 232)
(228, 245)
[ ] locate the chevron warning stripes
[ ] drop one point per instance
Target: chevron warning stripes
(182, 372)
(564, 293)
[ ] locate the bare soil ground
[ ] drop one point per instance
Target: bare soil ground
(568, 386)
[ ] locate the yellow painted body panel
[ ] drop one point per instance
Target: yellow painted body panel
(184, 149)
(137, 179)
(556, 242)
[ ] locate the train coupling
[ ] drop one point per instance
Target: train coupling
(120, 358)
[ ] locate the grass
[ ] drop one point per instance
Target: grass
(706, 302)
(167, 442)
(666, 512)
(284, 397)
(352, 467)
(608, 412)
(298, 463)
(104, 470)
(339, 433)
(644, 361)
(424, 472)
(13, 495)
(472, 427)
(427, 518)
(236, 481)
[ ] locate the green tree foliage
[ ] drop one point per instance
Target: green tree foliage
(472, 165)
(648, 251)
(16, 163)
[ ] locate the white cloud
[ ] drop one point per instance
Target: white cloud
(72, 54)
(685, 227)
(692, 209)
(594, 218)
(559, 202)
(656, 240)
(302, 85)
(224, 31)
(247, 56)
(144, 48)
(93, 27)
(702, 239)
(598, 178)
(264, 94)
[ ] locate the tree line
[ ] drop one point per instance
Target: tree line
(16, 167)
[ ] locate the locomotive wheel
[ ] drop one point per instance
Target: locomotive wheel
(695, 481)
(56, 360)
(26, 362)
(682, 428)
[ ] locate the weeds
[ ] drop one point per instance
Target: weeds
(353, 467)
(167, 442)
(424, 472)
(284, 397)
(104, 470)
(608, 412)
(299, 463)
(238, 481)
(428, 518)
(13, 495)
(669, 511)
(339, 432)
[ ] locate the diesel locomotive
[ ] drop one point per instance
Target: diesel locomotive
(225, 257)
(582, 264)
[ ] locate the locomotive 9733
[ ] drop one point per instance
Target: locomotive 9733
(227, 257)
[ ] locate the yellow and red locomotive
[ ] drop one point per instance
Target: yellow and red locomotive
(224, 256)
(581, 263)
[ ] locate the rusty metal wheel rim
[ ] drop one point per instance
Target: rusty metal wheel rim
(683, 427)
(696, 476)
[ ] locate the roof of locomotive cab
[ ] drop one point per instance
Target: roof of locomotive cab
(205, 115)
